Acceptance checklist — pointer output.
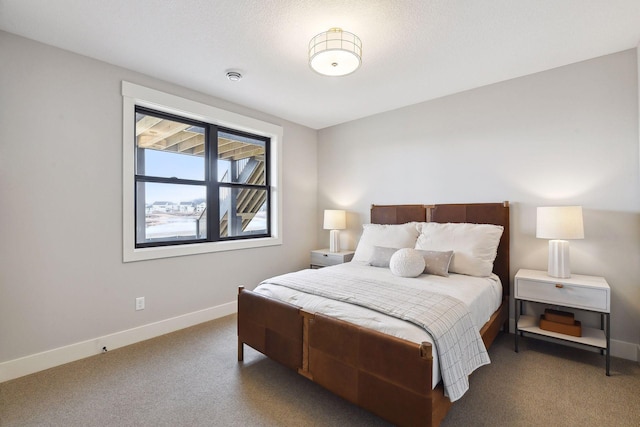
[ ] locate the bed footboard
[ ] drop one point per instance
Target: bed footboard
(388, 376)
(272, 327)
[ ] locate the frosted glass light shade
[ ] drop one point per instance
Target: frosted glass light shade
(559, 224)
(335, 53)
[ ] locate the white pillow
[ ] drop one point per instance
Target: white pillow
(386, 235)
(474, 246)
(407, 262)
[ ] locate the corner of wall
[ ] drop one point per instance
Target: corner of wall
(638, 98)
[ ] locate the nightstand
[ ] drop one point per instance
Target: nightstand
(323, 258)
(587, 293)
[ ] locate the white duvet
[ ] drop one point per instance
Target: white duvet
(483, 296)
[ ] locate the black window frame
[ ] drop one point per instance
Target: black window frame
(210, 182)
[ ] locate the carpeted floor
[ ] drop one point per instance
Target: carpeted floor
(192, 378)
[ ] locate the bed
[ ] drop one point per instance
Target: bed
(390, 376)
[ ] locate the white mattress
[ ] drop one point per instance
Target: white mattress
(483, 296)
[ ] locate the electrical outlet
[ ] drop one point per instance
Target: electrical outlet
(140, 303)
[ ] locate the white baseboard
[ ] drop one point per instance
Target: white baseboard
(625, 350)
(48, 359)
(621, 349)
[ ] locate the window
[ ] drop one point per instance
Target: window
(198, 182)
(196, 179)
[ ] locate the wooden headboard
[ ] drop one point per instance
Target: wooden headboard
(476, 213)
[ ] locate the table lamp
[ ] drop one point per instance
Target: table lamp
(334, 220)
(559, 224)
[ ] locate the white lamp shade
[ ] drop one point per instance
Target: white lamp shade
(560, 222)
(335, 219)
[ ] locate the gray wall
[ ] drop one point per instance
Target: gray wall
(566, 136)
(560, 137)
(62, 279)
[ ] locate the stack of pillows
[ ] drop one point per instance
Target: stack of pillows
(414, 248)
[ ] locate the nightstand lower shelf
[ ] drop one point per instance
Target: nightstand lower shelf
(590, 336)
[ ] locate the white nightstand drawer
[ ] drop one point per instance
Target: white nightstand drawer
(564, 294)
(325, 258)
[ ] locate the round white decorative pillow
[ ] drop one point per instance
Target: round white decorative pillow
(407, 263)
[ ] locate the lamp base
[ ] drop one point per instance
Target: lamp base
(559, 262)
(334, 241)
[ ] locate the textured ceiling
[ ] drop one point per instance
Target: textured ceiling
(413, 50)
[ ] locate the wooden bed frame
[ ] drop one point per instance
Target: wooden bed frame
(388, 376)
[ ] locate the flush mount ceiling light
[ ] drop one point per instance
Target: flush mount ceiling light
(335, 53)
(234, 76)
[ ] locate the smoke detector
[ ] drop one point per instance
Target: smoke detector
(234, 76)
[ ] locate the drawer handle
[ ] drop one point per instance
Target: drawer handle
(559, 285)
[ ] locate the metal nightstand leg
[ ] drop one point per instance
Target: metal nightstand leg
(518, 312)
(607, 336)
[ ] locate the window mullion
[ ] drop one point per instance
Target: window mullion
(143, 178)
(213, 202)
